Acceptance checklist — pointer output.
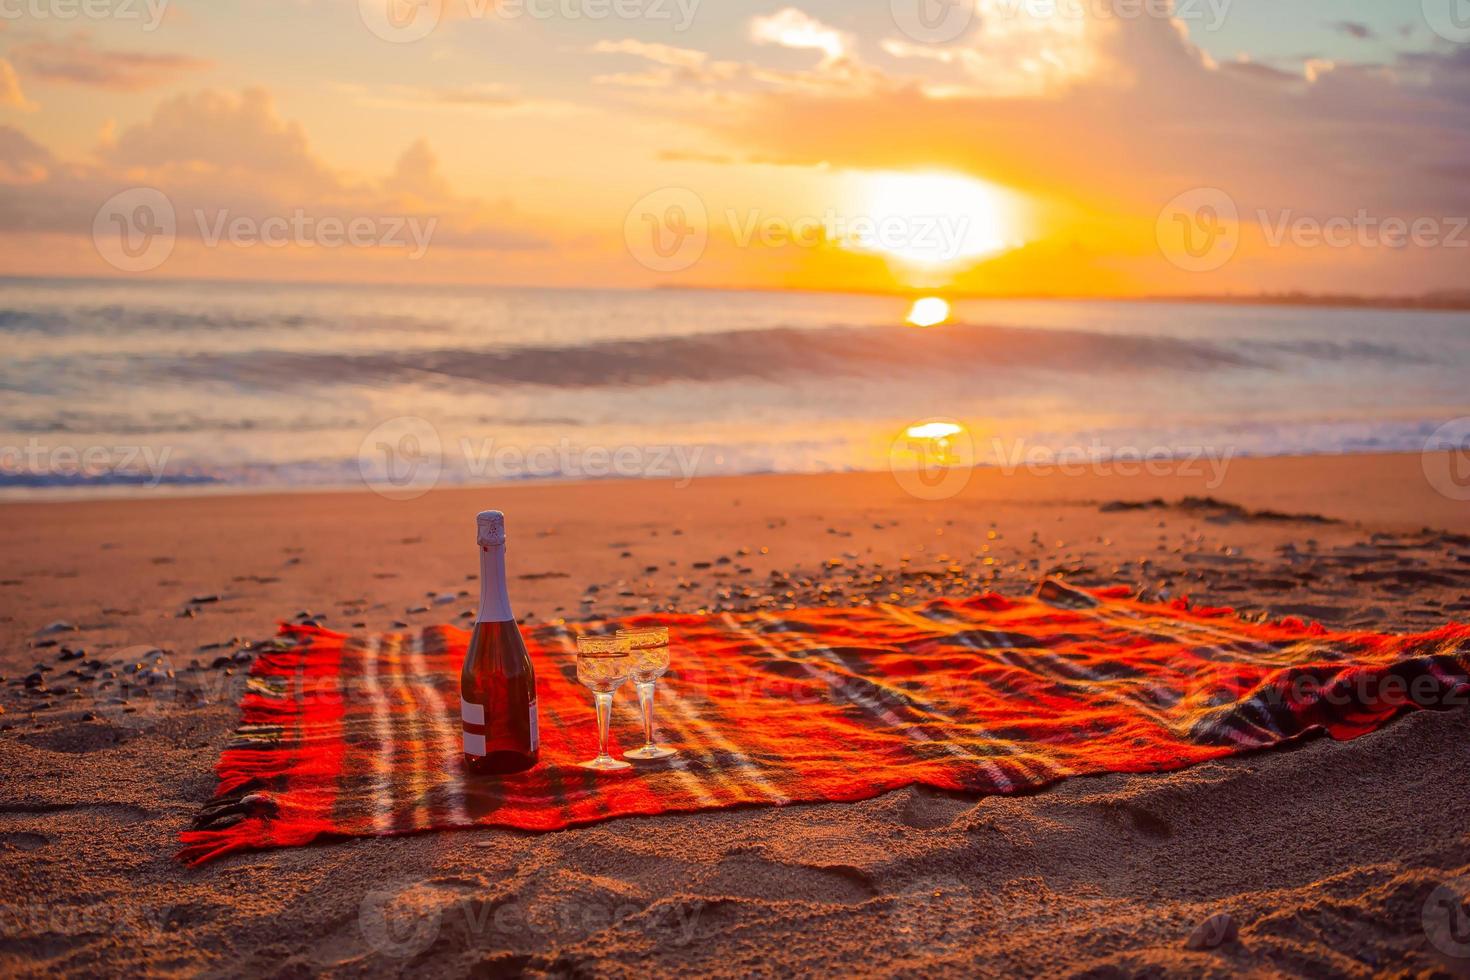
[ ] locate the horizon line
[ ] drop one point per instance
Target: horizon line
(1436, 300)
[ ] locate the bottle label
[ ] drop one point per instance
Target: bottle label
(535, 730)
(472, 714)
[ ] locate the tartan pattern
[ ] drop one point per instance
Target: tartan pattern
(361, 735)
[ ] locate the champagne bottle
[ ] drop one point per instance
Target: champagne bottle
(497, 683)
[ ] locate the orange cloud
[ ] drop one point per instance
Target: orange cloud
(11, 96)
(218, 157)
(76, 61)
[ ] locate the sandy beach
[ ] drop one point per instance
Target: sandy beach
(1326, 856)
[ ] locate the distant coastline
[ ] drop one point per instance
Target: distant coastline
(1431, 302)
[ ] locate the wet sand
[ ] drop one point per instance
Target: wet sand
(1327, 856)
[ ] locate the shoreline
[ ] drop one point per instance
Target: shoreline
(1404, 470)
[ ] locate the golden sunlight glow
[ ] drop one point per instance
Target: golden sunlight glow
(930, 311)
(934, 219)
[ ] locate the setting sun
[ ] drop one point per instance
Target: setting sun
(930, 311)
(936, 219)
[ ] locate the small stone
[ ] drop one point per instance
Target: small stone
(200, 600)
(444, 598)
(418, 609)
(34, 680)
(67, 653)
(220, 662)
(60, 626)
(241, 656)
(1215, 931)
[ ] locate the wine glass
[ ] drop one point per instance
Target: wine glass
(603, 663)
(649, 646)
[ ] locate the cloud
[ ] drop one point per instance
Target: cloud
(224, 135)
(22, 159)
(1353, 28)
(1011, 51)
(839, 70)
(1264, 73)
(1103, 152)
(674, 65)
(11, 96)
(792, 28)
(76, 61)
(216, 153)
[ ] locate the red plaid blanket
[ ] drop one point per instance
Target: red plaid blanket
(361, 735)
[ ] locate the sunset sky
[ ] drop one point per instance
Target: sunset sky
(1022, 146)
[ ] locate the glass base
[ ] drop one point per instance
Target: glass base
(606, 763)
(650, 752)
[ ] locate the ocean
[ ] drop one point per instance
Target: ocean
(132, 387)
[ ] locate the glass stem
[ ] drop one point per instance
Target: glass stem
(604, 715)
(645, 701)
